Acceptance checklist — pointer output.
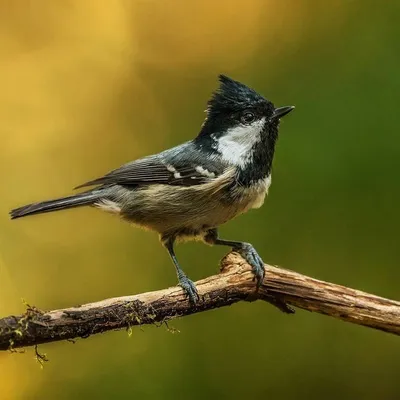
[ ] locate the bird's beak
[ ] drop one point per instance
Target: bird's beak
(281, 112)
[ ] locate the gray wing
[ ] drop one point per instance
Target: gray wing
(184, 165)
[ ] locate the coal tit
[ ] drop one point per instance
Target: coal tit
(188, 191)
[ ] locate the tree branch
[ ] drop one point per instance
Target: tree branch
(233, 284)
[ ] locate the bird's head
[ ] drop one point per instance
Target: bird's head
(239, 120)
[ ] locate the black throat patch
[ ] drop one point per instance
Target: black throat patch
(260, 164)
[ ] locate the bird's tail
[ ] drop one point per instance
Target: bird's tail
(82, 199)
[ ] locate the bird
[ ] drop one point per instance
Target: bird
(188, 191)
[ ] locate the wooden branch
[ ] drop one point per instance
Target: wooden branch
(233, 284)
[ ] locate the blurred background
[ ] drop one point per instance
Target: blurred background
(89, 85)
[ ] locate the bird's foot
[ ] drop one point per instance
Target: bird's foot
(189, 288)
(249, 253)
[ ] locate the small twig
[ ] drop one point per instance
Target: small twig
(41, 358)
(235, 283)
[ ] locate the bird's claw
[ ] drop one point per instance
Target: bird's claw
(249, 253)
(189, 288)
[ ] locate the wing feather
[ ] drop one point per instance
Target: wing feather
(162, 168)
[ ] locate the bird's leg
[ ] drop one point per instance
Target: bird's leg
(186, 284)
(246, 250)
(249, 253)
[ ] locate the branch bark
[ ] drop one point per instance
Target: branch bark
(233, 284)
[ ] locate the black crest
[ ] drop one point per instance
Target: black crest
(229, 103)
(235, 96)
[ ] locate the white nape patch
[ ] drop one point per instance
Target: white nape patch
(214, 143)
(235, 146)
(109, 206)
(205, 172)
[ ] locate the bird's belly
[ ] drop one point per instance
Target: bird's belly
(177, 209)
(188, 211)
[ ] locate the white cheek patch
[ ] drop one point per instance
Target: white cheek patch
(236, 145)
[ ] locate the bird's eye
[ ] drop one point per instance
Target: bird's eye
(247, 117)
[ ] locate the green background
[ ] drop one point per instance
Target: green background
(87, 86)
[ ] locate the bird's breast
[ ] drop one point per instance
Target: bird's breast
(191, 210)
(253, 195)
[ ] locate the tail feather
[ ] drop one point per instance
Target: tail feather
(78, 200)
